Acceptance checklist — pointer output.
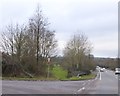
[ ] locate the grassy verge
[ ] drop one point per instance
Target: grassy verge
(28, 79)
(85, 77)
(59, 73)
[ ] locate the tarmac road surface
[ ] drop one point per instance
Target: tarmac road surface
(106, 83)
(41, 87)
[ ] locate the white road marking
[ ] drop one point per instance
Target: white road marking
(81, 89)
(84, 83)
(100, 75)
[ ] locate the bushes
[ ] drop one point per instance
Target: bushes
(59, 73)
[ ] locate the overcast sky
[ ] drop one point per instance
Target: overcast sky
(98, 19)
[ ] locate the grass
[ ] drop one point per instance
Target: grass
(84, 77)
(59, 73)
(28, 79)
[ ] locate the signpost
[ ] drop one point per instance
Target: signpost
(48, 73)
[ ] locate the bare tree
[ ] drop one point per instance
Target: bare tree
(8, 39)
(8, 44)
(43, 38)
(30, 45)
(13, 44)
(77, 51)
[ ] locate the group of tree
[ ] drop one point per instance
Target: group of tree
(77, 55)
(26, 49)
(109, 63)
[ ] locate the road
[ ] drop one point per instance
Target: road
(106, 84)
(41, 87)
